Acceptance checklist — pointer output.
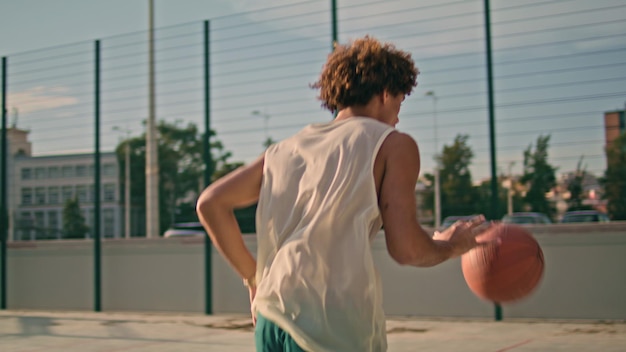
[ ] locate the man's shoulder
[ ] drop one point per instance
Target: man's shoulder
(399, 149)
(397, 139)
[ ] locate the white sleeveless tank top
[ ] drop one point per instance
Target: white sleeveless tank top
(316, 216)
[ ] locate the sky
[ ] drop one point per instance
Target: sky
(559, 64)
(35, 24)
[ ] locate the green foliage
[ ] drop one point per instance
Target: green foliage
(539, 175)
(246, 217)
(457, 192)
(483, 200)
(428, 203)
(224, 169)
(181, 169)
(269, 141)
(74, 225)
(576, 190)
(615, 178)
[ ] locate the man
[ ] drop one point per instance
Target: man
(323, 195)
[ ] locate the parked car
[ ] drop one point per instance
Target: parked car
(449, 220)
(185, 229)
(526, 218)
(584, 216)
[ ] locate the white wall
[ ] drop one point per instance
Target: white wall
(585, 278)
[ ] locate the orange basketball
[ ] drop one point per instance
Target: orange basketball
(506, 270)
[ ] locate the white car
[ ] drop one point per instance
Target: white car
(185, 229)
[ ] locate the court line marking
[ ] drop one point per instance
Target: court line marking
(514, 346)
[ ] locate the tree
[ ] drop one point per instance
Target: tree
(268, 141)
(615, 178)
(220, 159)
(181, 169)
(457, 192)
(483, 198)
(74, 225)
(576, 189)
(539, 176)
(428, 197)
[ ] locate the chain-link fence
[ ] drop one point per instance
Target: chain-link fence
(558, 69)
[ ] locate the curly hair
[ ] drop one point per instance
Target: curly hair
(356, 72)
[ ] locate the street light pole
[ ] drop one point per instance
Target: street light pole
(437, 221)
(152, 160)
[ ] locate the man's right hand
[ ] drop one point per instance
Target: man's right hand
(462, 234)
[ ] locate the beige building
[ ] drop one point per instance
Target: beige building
(39, 186)
(614, 125)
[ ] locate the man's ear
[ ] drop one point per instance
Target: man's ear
(385, 96)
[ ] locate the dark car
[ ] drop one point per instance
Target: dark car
(185, 229)
(526, 218)
(584, 216)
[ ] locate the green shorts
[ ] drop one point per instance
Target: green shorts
(269, 337)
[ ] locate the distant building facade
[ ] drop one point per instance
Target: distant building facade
(44, 184)
(614, 125)
(39, 187)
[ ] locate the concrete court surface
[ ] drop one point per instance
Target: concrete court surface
(142, 332)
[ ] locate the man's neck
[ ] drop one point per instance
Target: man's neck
(355, 111)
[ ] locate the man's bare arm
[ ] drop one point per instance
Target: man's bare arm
(407, 242)
(216, 207)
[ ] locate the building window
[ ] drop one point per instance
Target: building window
(109, 192)
(108, 222)
(27, 196)
(89, 215)
(108, 170)
(27, 174)
(24, 226)
(92, 193)
(40, 173)
(622, 121)
(25, 219)
(67, 193)
(53, 195)
(53, 172)
(81, 194)
(53, 219)
(68, 171)
(81, 170)
(40, 225)
(39, 219)
(53, 223)
(40, 195)
(91, 170)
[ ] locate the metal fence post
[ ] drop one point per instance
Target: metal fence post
(492, 132)
(208, 164)
(96, 230)
(4, 219)
(333, 14)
